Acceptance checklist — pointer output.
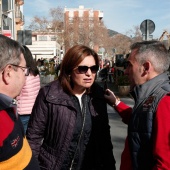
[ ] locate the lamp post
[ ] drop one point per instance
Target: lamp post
(114, 54)
(13, 19)
(102, 51)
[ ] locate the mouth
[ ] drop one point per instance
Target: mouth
(87, 80)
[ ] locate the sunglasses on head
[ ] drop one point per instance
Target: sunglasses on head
(84, 69)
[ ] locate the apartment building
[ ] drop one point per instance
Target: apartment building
(11, 17)
(79, 25)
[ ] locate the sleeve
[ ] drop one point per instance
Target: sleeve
(124, 112)
(161, 135)
(37, 123)
(6, 127)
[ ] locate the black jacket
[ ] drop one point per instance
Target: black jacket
(147, 97)
(52, 121)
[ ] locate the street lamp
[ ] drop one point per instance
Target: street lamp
(102, 50)
(114, 54)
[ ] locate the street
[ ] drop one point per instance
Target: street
(118, 133)
(117, 128)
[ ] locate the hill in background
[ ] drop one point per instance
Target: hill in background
(112, 33)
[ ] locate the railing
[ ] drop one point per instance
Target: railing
(19, 16)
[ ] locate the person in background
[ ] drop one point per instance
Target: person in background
(148, 143)
(57, 70)
(113, 74)
(26, 99)
(104, 72)
(68, 127)
(15, 152)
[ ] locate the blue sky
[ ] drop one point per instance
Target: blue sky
(119, 15)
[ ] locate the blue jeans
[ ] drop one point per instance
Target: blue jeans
(24, 120)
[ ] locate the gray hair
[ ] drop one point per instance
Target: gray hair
(153, 51)
(10, 51)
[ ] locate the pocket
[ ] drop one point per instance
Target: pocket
(46, 160)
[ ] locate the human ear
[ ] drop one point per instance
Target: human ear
(145, 69)
(6, 74)
(146, 66)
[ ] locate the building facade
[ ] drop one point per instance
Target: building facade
(11, 16)
(80, 24)
(44, 45)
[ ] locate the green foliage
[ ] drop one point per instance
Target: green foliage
(123, 80)
(50, 68)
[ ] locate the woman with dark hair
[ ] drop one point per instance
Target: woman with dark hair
(29, 91)
(69, 128)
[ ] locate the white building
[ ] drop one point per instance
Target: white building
(44, 46)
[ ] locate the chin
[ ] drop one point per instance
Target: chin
(88, 85)
(85, 87)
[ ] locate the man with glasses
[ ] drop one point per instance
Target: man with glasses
(24, 69)
(15, 152)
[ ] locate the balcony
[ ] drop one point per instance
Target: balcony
(19, 17)
(100, 15)
(20, 2)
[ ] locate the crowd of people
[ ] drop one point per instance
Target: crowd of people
(64, 125)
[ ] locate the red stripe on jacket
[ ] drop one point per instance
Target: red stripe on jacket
(7, 124)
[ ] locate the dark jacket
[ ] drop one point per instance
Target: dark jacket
(52, 124)
(140, 128)
(15, 152)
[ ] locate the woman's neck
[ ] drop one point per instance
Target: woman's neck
(79, 92)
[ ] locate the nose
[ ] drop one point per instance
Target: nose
(88, 72)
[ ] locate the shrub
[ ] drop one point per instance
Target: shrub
(123, 80)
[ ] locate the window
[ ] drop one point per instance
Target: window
(53, 38)
(42, 38)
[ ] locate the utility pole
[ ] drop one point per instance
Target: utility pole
(13, 19)
(102, 50)
(1, 15)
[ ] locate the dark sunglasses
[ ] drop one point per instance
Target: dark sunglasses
(84, 69)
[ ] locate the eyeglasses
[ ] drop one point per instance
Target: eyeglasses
(26, 70)
(84, 69)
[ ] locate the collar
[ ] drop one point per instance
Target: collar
(7, 102)
(144, 90)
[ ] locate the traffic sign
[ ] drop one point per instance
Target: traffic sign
(147, 25)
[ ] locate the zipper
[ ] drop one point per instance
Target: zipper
(84, 118)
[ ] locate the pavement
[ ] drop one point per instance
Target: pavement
(118, 129)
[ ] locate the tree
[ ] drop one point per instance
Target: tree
(85, 30)
(122, 42)
(135, 34)
(71, 31)
(39, 24)
(54, 24)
